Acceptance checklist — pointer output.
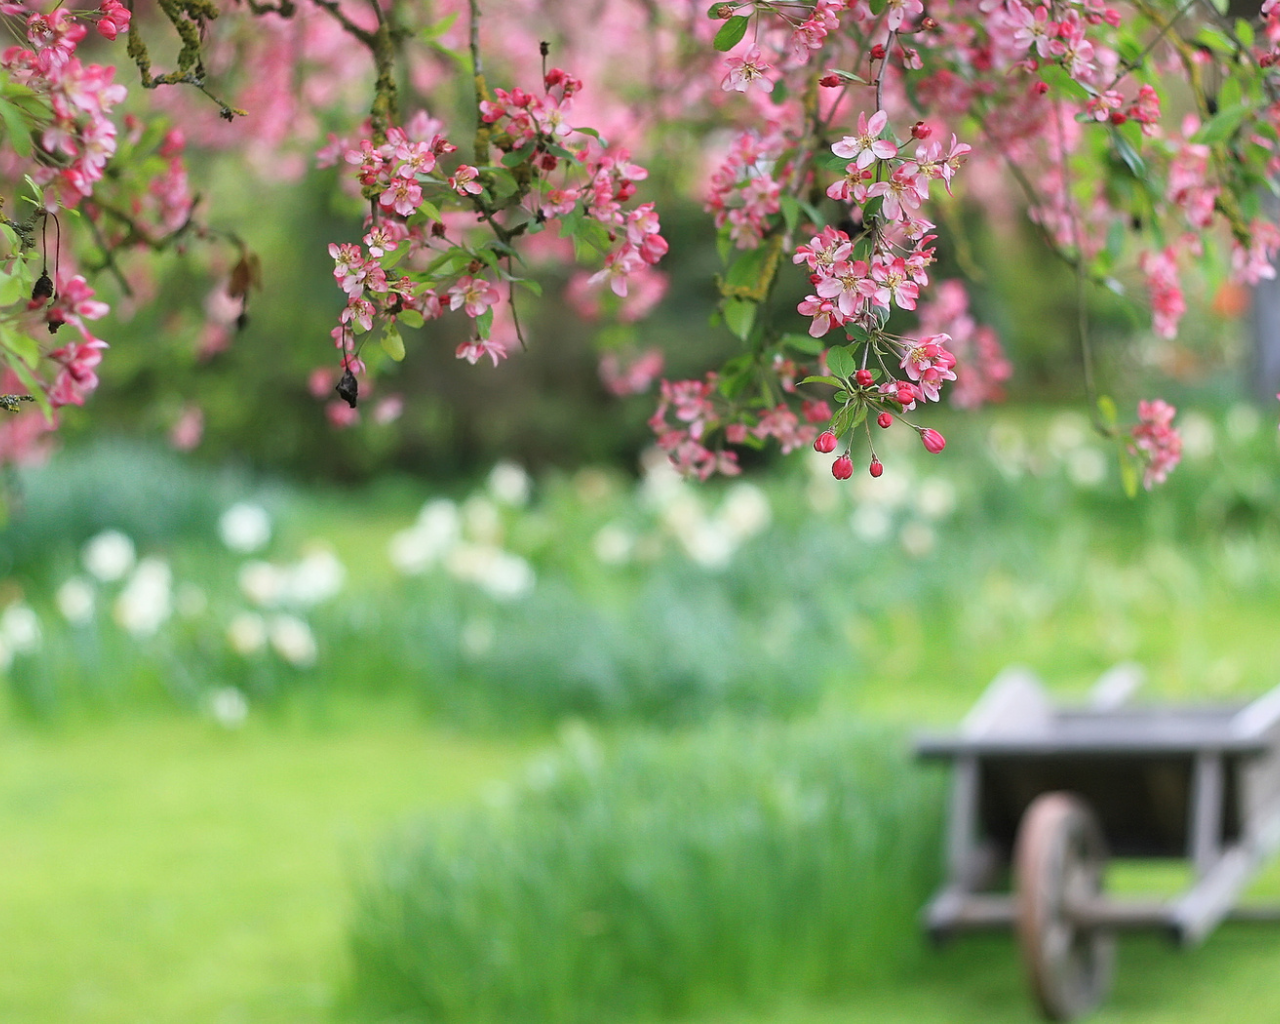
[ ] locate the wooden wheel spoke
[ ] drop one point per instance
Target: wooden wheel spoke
(1059, 858)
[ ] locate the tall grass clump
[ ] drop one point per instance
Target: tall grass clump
(151, 494)
(674, 651)
(674, 874)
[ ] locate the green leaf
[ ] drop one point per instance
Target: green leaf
(1126, 152)
(846, 76)
(504, 182)
(803, 343)
(484, 323)
(392, 343)
(740, 317)
(410, 318)
(1128, 474)
(1061, 83)
(747, 268)
(16, 128)
(840, 396)
(1231, 94)
(561, 152)
(529, 285)
(11, 289)
(1245, 32)
(430, 209)
(731, 33)
(1107, 410)
(860, 414)
(518, 156)
(1215, 39)
(840, 361)
(1222, 125)
(713, 12)
(878, 6)
(821, 380)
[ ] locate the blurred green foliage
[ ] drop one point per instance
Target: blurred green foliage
(737, 865)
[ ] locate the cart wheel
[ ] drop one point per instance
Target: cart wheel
(1059, 857)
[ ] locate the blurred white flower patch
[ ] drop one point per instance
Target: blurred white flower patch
(510, 484)
(245, 528)
(292, 639)
(76, 600)
(109, 556)
(144, 604)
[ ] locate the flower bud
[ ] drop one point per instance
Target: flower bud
(842, 468)
(829, 81)
(825, 442)
(864, 378)
(876, 468)
(877, 52)
(884, 420)
(933, 441)
(920, 130)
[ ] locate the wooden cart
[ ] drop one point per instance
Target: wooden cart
(1046, 794)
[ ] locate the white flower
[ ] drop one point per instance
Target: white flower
(745, 511)
(481, 521)
(1197, 436)
(1067, 432)
(245, 527)
(503, 575)
(247, 634)
(662, 481)
(293, 640)
(317, 577)
(509, 484)
(144, 604)
(263, 583)
(436, 531)
(613, 544)
(936, 498)
(870, 523)
(75, 599)
(708, 544)
(228, 707)
(20, 629)
(108, 556)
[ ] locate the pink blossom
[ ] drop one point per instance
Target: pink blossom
(746, 71)
(403, 196)
(866, 147)
(477, 348)
(474, 295)
(631, 377)
(1156, 440)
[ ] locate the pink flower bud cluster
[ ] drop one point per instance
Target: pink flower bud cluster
(1156, 440)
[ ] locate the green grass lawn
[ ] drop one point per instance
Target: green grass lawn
(161, 869)
(167, 870)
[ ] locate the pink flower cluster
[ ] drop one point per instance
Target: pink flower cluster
(1156, 440)
(744, 192)
(690, 401)
(81, 136)
(73, 303)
